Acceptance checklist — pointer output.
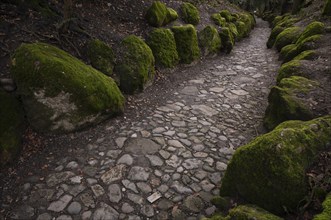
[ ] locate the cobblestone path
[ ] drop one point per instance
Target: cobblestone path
(170, 164)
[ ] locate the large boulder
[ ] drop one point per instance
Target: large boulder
(227, 39)
(218, 19)
(101, 56)
(163, 44)
(135, 65)
(295, 98)
(190, 14)
(158, 14)
(11, 127)
(270, 171)
(210, 40)
(59, 92)
(288, 36)
(187, 43)
(311, 29)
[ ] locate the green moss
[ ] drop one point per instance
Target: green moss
(242, 30)
(232, 27)
(287, 36)
(156, 14)
(101, 56)
(210, 40)
(227, 15)
(274, 178)
(286, 50)
(289, 69)
(326, 214)
(284, 103)
(11, 124)
(61, 93)
(327, 8)
(227, 39)
(217, 217)
(218, 19)
(163, 44)
(172, 15)
(306, 55)
(274, 33)
(313, 28)
(222, 203)
(249, 212)
(276, 20)
(135, 67)
(309, 43)
(187, 43)
(190, 13)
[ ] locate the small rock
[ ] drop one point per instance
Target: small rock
(97, 190)
(194, 204)
(114, 174)
(59, 205)
(155, 160)
(44, 216)
(74, 208)
(127, 208)
(125, 159)
(147, 210)
(138, 173)
(114, 193)
(105, 212)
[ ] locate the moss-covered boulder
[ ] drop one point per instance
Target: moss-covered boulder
(209, 40)
(233, 29)
(242, 29)
(326, 214)
(172, 15)
(306, 55)
(293, 99)
(59, 92)
(11, 127)
(190, 14)
(163, 44)
(187, 43)
(289, 69)
(227, 15)
(274, 33)
(101, 56)
(287, 36)
(227, 39)
(249, 212)
(313, 28)
(135, 65)
(218, 19)
(274, 178)
(286, 50)
(156, 14)
(327, 8)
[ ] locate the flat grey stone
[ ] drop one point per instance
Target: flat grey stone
(147, 210)
(221, 166)
(113, 153)
(165, 204)
(56, 178)
(74, 208)
(190, 90)
(164, 154)
(125, 159)
(114, 193)
(72, 165)
(44, 216)
(216, 89)
(138, 173)
(155, 160)
(114, 174)
(105, 212)
(178, 123)
(86, 215)
(239, 92)
(97, 190)
(135, 198)
(87, 200)
(204, 109)
(158, 130)
(120, 141)
(127, 208)
(22, 212)
(175, 143)
(178, 214)
(75, 190)
(141, 146)
(207, 186)
(134, 217)
(90, 171)
(173, 161)
(130, 185)
(178, 187)
(60, 204)
(64, 217)
(194, 204)
(144, 187)
(192, 163)
(210, 211)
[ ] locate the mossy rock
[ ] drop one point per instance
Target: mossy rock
(135, 66)
(249, 212)
(59, 92)
(327, 8)
(312, 29)
(326, 214)
(242, 30)
(221, 203)
(276, 20)
(274, 33)
(11, 127)
(227, 39)
(209, 40)
(290, 100)
(163, 44)
(286, 50)
(187, 43)
(156, 14)
(232, 27)
(306, 55)
(248, 19)
(218, 19)
(227, 15)
(309, 43)
(289, 69)
(190, 13)
(287, 36)
(172, 15)
(101, 56)
(274, 178)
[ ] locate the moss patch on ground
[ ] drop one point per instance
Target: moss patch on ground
(326, 214)
(101, 56)
(287, 36)
(187, 43)
(11, 124)
(59, 92)
(190, 13)
(163, 44)
(209, 40)
(285, 101)
(135, 67)
(274, 178)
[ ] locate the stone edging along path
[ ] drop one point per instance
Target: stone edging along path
(169, 164)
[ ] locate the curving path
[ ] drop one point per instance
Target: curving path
(169, 164)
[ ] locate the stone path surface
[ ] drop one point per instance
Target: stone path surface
(169, 164)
